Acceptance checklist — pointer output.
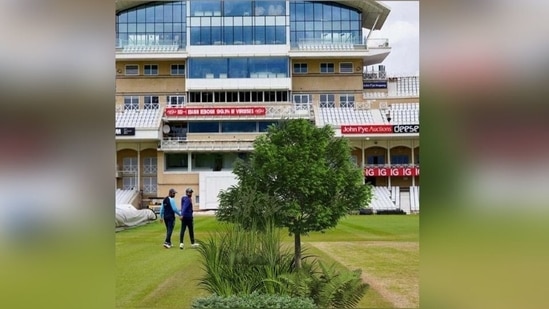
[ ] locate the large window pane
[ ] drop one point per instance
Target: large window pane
(237, 8)
(204, 127)
(176, 161)
(155, 20)
(241, 126)
(205, 8)
(273, 8)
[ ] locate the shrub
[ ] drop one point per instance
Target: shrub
(326, 286)
(253, 300)
(240, 261)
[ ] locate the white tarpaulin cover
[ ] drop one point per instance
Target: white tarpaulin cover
(129, 216)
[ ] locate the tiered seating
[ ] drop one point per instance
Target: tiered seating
(139, 118)
(347, 116)
(125, 196)
(395, 196)
(407, 86)
(405, 113)
(414, 199)
(381, 199)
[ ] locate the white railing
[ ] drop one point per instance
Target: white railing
(377, 43)
(296, 110)
(186, 145)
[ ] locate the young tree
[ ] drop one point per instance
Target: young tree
(299, 175)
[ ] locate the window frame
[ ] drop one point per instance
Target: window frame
(325, 68)
(178, 103)
(178, 65)
(344, 100)
(133, 103)
(148, 69)
(301, 66)
(350, 69)
(152, 104)
(131, 65)
(324, 100)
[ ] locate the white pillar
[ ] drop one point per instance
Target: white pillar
(189, 161)
(362, 162)
(413, 164)
(388, 163)
(138, 167)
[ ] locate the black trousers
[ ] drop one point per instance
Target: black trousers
(170, 224)
(187, 222)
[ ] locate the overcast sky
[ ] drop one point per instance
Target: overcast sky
(402, 30)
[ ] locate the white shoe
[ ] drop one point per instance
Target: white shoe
(181, 246)
(195, 245)
(167, 246)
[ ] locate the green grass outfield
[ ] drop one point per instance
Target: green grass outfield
(385, 247)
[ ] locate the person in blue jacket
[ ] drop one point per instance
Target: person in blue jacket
(168, 210)
(187, 218)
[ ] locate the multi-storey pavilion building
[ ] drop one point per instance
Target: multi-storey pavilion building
(198, 80)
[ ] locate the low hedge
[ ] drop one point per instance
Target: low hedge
(254, 300)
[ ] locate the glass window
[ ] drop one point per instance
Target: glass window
(325, 22)
(347, 100)
(345, 67)
(376, 160)
(150, 69)
(176, 161)
(327, 100)
(300, 68)
(149, 185)
(206, 161)
(150, 102)
(149, 165)
(129, 183)
(178, 69)
(238, 68)
(131, 102)
(206, 8)
(176, 99)
(399, 159)
(178, 131)
(237, 8)
(204, 127)
(132, 69)
(264, 125)
(240, 126)
(327, 68)
(272, 8)
(156, 21)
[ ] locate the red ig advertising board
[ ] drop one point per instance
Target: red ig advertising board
(215, 111)
(391, 171)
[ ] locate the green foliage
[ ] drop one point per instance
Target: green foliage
(328, 287)
(298, 175)
(239, 261)
(254, 300)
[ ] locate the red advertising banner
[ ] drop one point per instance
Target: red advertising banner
(215, 111)
(391, 171)
(366, 129)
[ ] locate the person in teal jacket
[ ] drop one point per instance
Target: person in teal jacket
(168, 210)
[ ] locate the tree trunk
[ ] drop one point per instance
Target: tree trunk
(297, 251)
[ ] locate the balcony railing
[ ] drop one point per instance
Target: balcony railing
(296, 110)
(186, 145)
(146, 46)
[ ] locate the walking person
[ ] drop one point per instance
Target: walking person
(187, 218)
(168, 210)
